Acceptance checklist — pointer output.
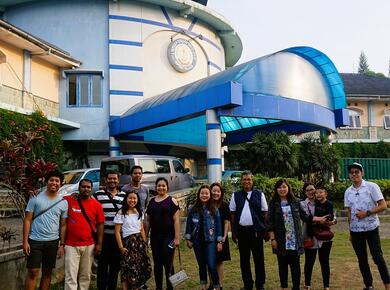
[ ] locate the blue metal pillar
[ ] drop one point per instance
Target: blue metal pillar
(214, 160)
(114, 147)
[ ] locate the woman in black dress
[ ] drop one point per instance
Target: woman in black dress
(217, 194)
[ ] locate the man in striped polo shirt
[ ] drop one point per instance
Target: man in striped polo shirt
(108, 262)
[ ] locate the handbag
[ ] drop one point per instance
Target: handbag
(309, 243)
(180, 276)
(323, 233)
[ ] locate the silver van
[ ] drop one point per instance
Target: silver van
(153, 167)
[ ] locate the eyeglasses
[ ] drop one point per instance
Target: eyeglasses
(310, 189)
(352, 172)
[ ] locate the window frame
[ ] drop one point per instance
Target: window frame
(90, 76)
(182, 166)
(386, 115)
(357, 113)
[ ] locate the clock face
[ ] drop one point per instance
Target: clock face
(181, 55)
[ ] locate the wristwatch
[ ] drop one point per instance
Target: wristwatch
(368, 213)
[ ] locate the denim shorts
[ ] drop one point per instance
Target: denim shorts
(42, 253)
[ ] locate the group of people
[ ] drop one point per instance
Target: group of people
(116, 225)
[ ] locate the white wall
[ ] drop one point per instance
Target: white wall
(139, 35)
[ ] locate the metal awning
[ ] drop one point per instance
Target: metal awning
(297, 90)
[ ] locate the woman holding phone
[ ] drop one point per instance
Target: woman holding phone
(163, 222)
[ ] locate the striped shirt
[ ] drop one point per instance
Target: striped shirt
(109, 208)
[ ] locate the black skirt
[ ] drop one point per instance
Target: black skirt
(224, 255)
(135, 265)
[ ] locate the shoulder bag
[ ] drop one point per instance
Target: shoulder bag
(180, 276)
(45, 210)
(94, 233)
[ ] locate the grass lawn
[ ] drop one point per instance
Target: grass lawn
(344, 267)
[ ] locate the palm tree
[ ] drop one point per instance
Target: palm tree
(271, 154)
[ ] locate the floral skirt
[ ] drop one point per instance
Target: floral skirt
(135, 265)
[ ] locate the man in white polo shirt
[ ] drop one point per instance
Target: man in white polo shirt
(364, 200)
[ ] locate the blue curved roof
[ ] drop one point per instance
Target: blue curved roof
(328, 70)
(297, 89)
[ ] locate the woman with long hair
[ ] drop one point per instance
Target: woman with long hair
(217, 194)
(204, 234)
(284, 216)
(163, 221)
(135, 263)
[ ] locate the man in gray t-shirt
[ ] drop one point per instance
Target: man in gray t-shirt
(135, 185)
(44, 229)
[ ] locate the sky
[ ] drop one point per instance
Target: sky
(341, 29)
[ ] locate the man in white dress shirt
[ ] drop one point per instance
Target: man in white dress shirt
(248, 208)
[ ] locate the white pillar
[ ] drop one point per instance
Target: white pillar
(114, 147)
(214, 160)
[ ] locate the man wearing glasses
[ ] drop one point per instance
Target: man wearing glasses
(364, 200)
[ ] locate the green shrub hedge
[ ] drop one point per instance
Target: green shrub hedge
(49, 148)
(335, 190)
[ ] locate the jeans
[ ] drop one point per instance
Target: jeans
(291, 258)
(162, 258)
(323, 255)
(78, 262)
(248, 242)
(359, 243)
(108, 264)
(206, 256)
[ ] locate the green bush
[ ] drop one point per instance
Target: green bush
(335, 190)
(49, 148)
(384, 184)
(267, 185)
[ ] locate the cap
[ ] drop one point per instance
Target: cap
(355, 165)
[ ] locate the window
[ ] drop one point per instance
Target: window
(386, 119)
(163, 166)
(354, 119)
(179, 168)
(84, 89)
(93, 176)
(154, 166)
(148, 165)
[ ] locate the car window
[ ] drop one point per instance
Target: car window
(163, 166)
(236, 174)
(93, 176)
(179, 168)
(148, 165)
(72, 177)
(122, 166)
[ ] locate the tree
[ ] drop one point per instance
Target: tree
(363, 64)
(374, 74)
(318, 160)
(26, 143)
(271, 154)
